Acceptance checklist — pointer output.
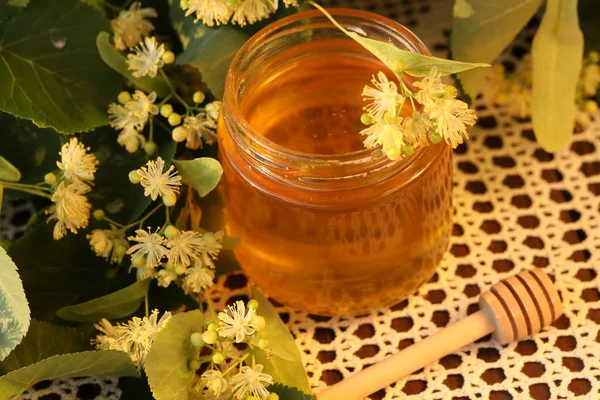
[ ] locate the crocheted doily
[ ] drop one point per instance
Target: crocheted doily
(516, 206)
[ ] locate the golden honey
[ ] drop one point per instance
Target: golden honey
(326, 225)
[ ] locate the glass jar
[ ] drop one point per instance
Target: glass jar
(326, 226)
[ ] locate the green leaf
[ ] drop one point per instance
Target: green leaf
(414, 64)
(14, 310)
(483, 35)
(119, 304)
(32, 150)
(8, 172)
(44, 340)
(203, 174)
(282, 359)
(210, 50)
(87, 363)
(113, 192)
(289, 393)
(117, 61)
(51, 71)
(557, 53)
(63, 272)
(10, 8)
(167, 362)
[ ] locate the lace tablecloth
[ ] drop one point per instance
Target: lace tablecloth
(516, 206)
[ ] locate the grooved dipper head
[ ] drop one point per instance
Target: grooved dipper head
(522, 305)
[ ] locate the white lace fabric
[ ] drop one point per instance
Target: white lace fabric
(516, 207)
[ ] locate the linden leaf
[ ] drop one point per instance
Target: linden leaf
(203, 174)
(87, 363)
(8, 172)
(281, 359)
(489, 29)
(14, 309)
(51, 72)
(167, 362)
(117, 61)
(289, 393)
(44, 340)
(556, 52)
(119, 304)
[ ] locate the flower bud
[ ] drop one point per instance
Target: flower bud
(168, 57)
(184, 4)
(218, 358)
(196, 339)
(194, 365)
(594, 56)
(166, 110)
(98, 214)
(124, 97)
(121, 250)
(213, 327)
(259, 323)
(435, 137)
(179, 134)
(170, 199)
(171, 232)
(180, 269)
(253, 304)
(590, 107)
(138, 261)
(263, 343)
(150, 148)
(134, 177)
(210, 337)
(50, 178)
(199, 97)
(366, 119)
(408, 149)
(174, 119)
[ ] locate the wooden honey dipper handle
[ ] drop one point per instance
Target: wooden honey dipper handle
(513, 309)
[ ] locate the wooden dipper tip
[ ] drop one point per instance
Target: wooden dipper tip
(522, 305)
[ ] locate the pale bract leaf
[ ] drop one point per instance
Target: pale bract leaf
(415, 64)
(203, 174)
(87, 363)
(8, 172)
(14, 309)
(557, 53)
(117, 61)
(487, 31)
(50, 70)
(119, 304)
(44, 340)
(282, 359)
(167, 362)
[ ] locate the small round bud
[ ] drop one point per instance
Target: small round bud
(174, 119)
(213, 327)
(389, 118)
(590, 107)
(450, 91)
(121, 250)
(179, 134)
(218, 358)
(138, 261)
(150, 148)
(166, 110)
(196, 339)
(199, 97)
(273, 396)
(399, 67)
(366, 119)
(253, 304)
(169, 199)
(435, 137)
(171, 232)
(263, 343)
(184, 4)
(180, 269)
(98, 214)
(134, 177)
(194, 365)
(594, 56)
(124, 97)
(168, 57)
(259, 323)
(210, 337)
(408, 149)
(50, 178)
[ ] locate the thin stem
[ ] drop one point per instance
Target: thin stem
(144, 218)
(165, 100)
(112, 221)
(318, 7)
(25, 186)
(209, 304)
(20, 188)
(167, 215)
(151, 129)
(174, 92)
(146, 305)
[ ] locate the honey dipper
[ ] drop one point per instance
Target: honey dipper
(513, 309)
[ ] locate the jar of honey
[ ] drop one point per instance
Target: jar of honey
(326, 226)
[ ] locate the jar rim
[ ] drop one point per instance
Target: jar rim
(277, 151)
